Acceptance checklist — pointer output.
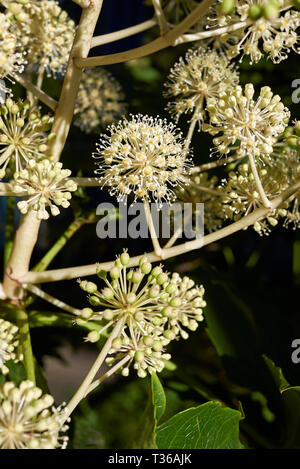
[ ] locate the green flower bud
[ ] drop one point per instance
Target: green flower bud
(137, 277)
(102, 274)
(167, 311)
(157, 321)
(157, 346)
(117, 343)
(148, 341)
(125, 258)
(270, 11)
(228, 6)
(154, 291)
(146, 268)
(93, 336)
(94, 301)
(288, 132)
(156, 271)
(143, 260)
(88, 287)
(108, 314)
(162, 278)
(107, 293)
(297, 128)
(255, 12)
(86, 313)
(175, 302)
(130, 298)
(114, 273)
(292, 141)
(168, 334)
(118, 264)
(170, 288)
(139, 356)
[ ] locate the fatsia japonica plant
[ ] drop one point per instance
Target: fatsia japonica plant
(138, 306)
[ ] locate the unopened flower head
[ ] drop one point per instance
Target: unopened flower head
(250, 125)
(153, 306)
(204, 189)
(144, 157)
(11, 59)
(45, 185)
(100, 100)
(9, 344)
(201, 75)
(28, 419)
(23, 135)
(242, 197)
(265, 27)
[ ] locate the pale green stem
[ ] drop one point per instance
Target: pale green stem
(81, 392)
(151, 228)
(86, 270)
(122, 33)
(215, 164)
(258, 183)
(35, 91)
(192, 126)
(160, 43)
(50, 299)
(109, 373)
(163, 25)
(25, 341)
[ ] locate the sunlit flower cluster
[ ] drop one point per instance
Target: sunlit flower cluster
(241, 196)
(250, 125)
(100, 100)
(153, 307)
(9, 344)
(203, 74)
(23, 135)
(264, 28)
(28, 419)
(11, 59)
(203, 189)
(144, 157)
(45, 185)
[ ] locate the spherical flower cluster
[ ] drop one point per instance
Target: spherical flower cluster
(11, 60)
(46, 33)
(153, 306)
(264, 28)
(22, 134)
(27, 420)
(100, 100)
(45, 186)
(242, 197)
(202, 189)
(9, 344)
(144, 156)
(202, 75)
(251, 125)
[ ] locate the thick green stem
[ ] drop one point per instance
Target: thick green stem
(25, 340)
(9, 228)
(60, 243)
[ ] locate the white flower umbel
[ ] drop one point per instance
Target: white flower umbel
(9, 344)
(144, 157)
(155, 307)
(201, 75)
(23, 135)
(243, 198)
(45, 185)
(100, 100)
(11, 60)
(28, 419)
(250, 125)
(267, 28)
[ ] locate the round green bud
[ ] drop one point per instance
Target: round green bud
(117, 343)
(292, 141)
(148, 341)
(162, 278)
(94, 301)
(146, 268)
(169, 335)
(139, 316)
(288, 132)
(154, 291)
(124, 258)
(167, 311)
(129, 275)
(102, 274)
(170, 288)
(86, 313)
(118, 264)
(108, 314)
(156, 271)
(93, 336)
(255, 12)
(157, 321)
(139, 356)
(137, 277)
(143, 260)
(175, 302)
(297, 128)
(107, 293)
(228, 6)
(114, 284)
(157, 346)
(114, 273)
(88, 287)
(130, 298)
(270, 11)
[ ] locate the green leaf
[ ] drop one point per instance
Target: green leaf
(16, 372)
(87, 434)
(209, 426)
(158, 397)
